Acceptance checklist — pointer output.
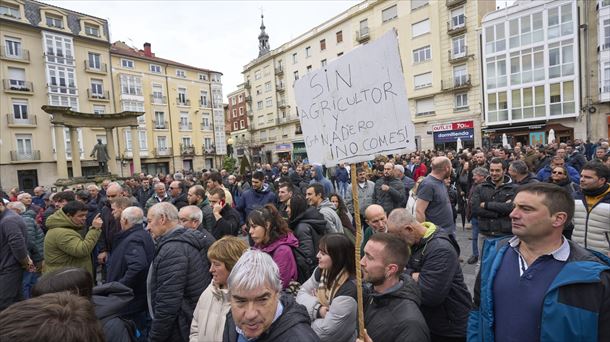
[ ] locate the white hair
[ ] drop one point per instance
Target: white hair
(254, 269)
(91, 186)
(133, 215)
(21, 196)
(16, 205)
(194, 213)
(164, 209)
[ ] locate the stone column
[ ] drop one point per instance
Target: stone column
(60, 152)
(76, 168)
(135, 149)
(111, 152)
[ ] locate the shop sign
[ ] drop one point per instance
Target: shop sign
(452, 126)
(453, 135)
(283, 147)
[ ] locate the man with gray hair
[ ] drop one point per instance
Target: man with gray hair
(520, 173)
(258, 309)
(130, 260)
(479, 174)
(177, 276)
(389, 192)
(399, 173)
(159, 196)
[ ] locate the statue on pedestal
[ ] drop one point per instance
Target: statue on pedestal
(101, 152)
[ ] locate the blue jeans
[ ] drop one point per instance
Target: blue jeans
(475, 236)
(29, 280)
(342, 188)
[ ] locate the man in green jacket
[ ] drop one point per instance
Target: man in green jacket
(63, 244)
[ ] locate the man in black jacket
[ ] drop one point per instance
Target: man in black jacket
(226, 218)
(258, 308)
(520, 174)
(178, 195)
(391, 310)
(390, 193)
(434, 265)
(178, 275)
(492, 201)
(196, 196)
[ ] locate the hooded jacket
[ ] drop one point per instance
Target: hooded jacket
(252, 199)
(210, 315)
(110, 301)
(178, 275)
(309, 227)
(544, 174)
(333, 221)
(493, 219)
(446, 300)
(281, 252)
(129, 262)
(319, 178)
(576, 304)
(394, 315)
(395, 197)
(292, 325)
(64, 246)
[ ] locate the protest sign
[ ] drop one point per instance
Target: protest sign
(356, 106)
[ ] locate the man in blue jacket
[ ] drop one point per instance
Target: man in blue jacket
(255, 197)
(317, 176)
(545, 173)
(537, 285)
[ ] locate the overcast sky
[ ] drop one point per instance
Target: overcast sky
(217, 35)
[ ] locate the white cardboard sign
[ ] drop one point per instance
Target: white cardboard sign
(356, 106)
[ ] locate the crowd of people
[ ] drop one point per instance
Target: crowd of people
(269, 255)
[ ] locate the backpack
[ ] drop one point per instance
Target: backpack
(305, 265)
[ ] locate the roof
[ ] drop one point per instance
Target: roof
(132, 52)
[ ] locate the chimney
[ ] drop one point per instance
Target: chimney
(147, 51)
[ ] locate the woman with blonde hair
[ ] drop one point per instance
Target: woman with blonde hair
(213, 305)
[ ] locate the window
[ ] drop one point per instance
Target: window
(207, 142)
(495, 40)
(561, 59)
(259, 105)
(10, 11)
(20, 110)
(339, 54)
(61, 79)
(497, 107)
(155, 68)
(308, 52)
(203, 98)
(127, 63)
(323, 63)
(54, 21)
(131, 85)
(240, 98)
(205, 122)
(216, 77)
(294, 58)
(496, 72)
(180, 73)
(24, 145)
(157, 93)
(268, 102)
(162, 143)
(422, 80)
(461, 101)
(58, 49)
(234, 112)
(257, 75)
(323, 45)
(235, 125)
(258, 90)
(141, 140)
(17, 78)
(460, 75)
(267, 86)
(389, 13)
(95, 60)
(424, 106)
(101, 109)
(458, 47)
(296, 75)
(415, 4)
(308, 68)
(132, 106)
(458, 19)
(92, 30)
(65, 101)
(203, 77)
(182, 96)
(241, 111)
(562, 98)
(233, 100)
(527, 103)
(560, 21)
(13, 47)
(606, 78)
(605, 35)
(422, 54)
(97, 88)
(339, 36)
(184, 120)
(364, 27)
(241, 124)
(420, 28)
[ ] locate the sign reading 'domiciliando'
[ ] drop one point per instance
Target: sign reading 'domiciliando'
(356, 106)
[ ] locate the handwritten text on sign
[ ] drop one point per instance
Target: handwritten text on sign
(356, 106)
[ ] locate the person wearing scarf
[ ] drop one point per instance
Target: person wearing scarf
(330, 294)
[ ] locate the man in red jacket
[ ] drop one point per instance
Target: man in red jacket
(420, 169)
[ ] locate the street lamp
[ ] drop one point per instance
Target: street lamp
(230, 146)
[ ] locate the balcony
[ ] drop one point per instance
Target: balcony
(458, 57)
(279, 70)
(453, 3)
(247, 85)
(104, 96)
(453, 29)
(204, 104)
(185, 126)
(25, 156)
(187, 150)
(22, 56)
(18, 86)
(162, 151)
(29, 121)
(287, 119)
(160, 124)
(249, 99)
(280, 87)
(209, 149)
(183, 101)
(282, 104)
(363, 35)
(102, 68)
(458, 83)
(158, 100)
(206, 127)
(298, 130)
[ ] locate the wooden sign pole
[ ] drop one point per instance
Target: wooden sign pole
(356, 204)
